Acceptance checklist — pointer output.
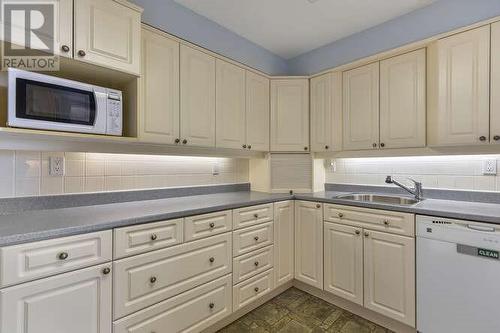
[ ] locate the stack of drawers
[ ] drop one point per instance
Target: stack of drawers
(253, 254)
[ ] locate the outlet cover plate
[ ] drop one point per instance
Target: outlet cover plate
(56, 166)
(490, 167)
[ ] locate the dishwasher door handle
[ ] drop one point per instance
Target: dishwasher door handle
(480, 228)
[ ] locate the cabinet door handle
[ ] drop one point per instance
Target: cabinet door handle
(256, 215)
(63, 256)
(341, 215)
(357, 232)
(306, 148)
(327, 147)
(256, 238)
(244, 146)
(152, 279)
(382, 145)
(374, 145)
(482, 138)
(82, 53)
(211, 225)
(249, 146)
(211, 259)
(106, 271)
(318, 205)
(184, 141)
(65, 48)
(177, 140)
(367, 234)
(496, 137)
(256, 289)
(211, 305)
(256, 263)
(386, 222)
(154, 237)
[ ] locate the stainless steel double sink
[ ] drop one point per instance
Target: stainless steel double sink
(379, 198)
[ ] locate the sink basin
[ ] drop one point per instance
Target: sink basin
(387, 199)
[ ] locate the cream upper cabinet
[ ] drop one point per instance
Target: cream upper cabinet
(389, 275)
(65, 32)
(283, 241)
(230, 105)
(257, 112)
(495, 84)
(159, 115)
(290, 115)
(309, 243)
(326, 112)
(402, 100)
(459, 83)
(197, 98)
(361, 107)
(343, 247)
(108, 33)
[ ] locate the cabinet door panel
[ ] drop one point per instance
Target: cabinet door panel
(361, 107)
(495, 84)
(257, 111)
(197, 97)
(230, 105)
(389, 275)
(459, 106)
(159, 117)
(284, 241)
(344, 262)
(402, 101)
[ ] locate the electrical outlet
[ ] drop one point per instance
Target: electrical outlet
(490, 167)
(215, 169)
(56, 166)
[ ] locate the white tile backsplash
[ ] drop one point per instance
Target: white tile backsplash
(26, 173)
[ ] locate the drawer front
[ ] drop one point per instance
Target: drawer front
(152, 277)
(206, 225)
(252, 289)
(252, 263)
(248, 216)
(147, 237)
(376, 219)
(26, 262)
(252, 238)
(189, 312)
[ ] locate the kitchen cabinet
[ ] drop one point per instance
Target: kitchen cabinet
(77, 302)
(197, 97)
(230, 105)
(495, 84)
(403, 101)
(361, 107)
(459, 87)
(257, 112)
(284, 241)
(326, 112)
(389, 275)
(343, 247)
(290, 115)
(159, 115)
(309, 243)
(108, 33)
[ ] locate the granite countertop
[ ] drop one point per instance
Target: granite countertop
(34, 225)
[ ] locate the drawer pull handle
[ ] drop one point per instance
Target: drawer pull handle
(65, 48)
(212, 225)
(256, 289)
(154, 237)
(177, 140)
(367, 234)
(256, 263)
(152, 279)
(211, 305)
(386, 222)
(340, 215)
(318, 206)
(106, 271)
(256, 215)
(63, 256)
(81, 53)
(256, 238)
(482, 138)
(211, 259)
(357, 232)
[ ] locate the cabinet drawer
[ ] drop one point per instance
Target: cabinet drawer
(376, 219)
(26, 262)
(152, 277)
(252, 263)
(189, 312)
(252, 238)
(205, 225)
(147, 237)
(247, 216)
(252, 289)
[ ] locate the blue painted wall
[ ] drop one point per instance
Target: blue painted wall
(186, 24)
(439, 17)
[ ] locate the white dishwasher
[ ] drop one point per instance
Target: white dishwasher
(458, 276)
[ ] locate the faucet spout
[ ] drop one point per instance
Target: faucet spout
(417, 191)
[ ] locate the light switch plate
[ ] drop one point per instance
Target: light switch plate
(490, 167)
(56, 166)
(215, 169)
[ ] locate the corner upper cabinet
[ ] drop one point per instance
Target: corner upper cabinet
(108, 33)
(459, 85)
(230, 105)
(495, 84)
(159, 115)
(257, 112)
(361, 107)
(290, 115)
(326, 112)
(197, 98)
(403, 101)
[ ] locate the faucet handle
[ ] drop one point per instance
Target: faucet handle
(388, 179)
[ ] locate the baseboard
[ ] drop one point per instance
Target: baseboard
(355, 309)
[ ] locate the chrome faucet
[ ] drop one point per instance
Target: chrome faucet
(417, 191)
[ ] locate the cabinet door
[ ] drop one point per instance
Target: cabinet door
(290, 115)
(159, 117)
(389, 275)
(361, 107)
(402, 101)
(309, 243)
(108, 33)
(495, 84)
(459, 89)
(230, 105)
(283, 241)
(76, 302)
(257, 112)
(343, 247)
(326, 112)
(197, 98)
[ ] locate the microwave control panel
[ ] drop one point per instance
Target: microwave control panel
(114, 121)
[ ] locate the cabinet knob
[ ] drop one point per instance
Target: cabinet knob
(496, 137)
(306, 148)
(318, 205)
(382, 144)
(244, 146)
(256, 289)
(367, 234)
(81, 53)
(256, 215)
(211, 225)
(482, 138)
(152, 279)
(357, 232)
(106, 271)
(327, 147)
(256, 263)
(211, 305)
(386, 222)
(256, 238)
(63, 256)
(249, 146)
(65, 48)
(184, 141)
(154, 237)
(177, 140)
(340, 215)
(374, 145)
(211, 259)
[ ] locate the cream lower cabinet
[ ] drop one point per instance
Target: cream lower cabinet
(284, 241)
(309, 243)
(495, 84)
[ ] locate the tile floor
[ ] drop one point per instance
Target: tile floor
(295, 311)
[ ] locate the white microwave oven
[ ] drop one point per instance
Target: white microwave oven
(45, 102)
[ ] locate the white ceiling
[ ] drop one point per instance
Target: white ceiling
(289, 28)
